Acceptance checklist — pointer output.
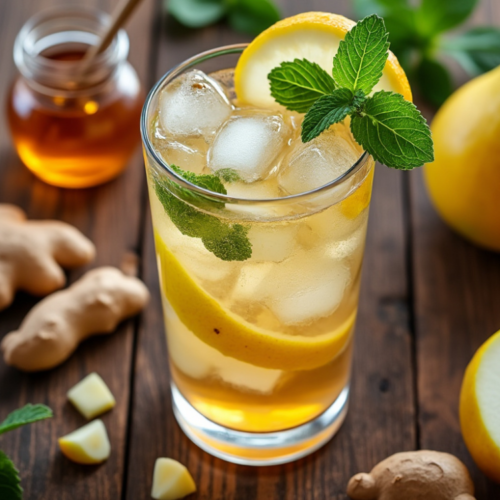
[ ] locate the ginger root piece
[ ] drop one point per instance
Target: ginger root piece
(171, 480)
(52, 330)
(87, 445)
(91, 396)
(415, 475)
(33, 253)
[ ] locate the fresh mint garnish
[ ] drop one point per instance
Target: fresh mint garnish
(361, 57)
(397, 125)
(225, 240)
(297, 85)
(390, 128)
(328, 110)
(228, 175)
(10, 484)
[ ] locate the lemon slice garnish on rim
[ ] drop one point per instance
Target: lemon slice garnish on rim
(312, 35)
(234, 336)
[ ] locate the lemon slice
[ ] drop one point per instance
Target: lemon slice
(480, 407)
(232, 335)
(312, 35)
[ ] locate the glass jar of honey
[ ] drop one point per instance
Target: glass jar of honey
(71, 130)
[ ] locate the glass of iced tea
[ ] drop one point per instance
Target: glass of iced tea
(73, 130)
(259, 241)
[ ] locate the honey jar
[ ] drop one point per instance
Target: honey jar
(73, 130)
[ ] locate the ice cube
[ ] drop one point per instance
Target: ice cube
(305, 287)
(272, 242)
(193, 105)
(249, 280)
(345, 248)
(247, 376)
(200, 361)
(187, 351)
(190, 154)
(249, 143)
(318, 162)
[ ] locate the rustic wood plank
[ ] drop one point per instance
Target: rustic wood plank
(382, 415)
(457, 291)
(110, 215)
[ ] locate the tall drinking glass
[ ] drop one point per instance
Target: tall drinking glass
(259, 290)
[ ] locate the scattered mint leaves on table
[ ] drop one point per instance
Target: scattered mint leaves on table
(419, 38)
(250, 17)
(390, 128)
(225, 240)
(10, 484)
(26, 415)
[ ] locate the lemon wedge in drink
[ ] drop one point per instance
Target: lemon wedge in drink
(312, 35)
(235, 337)
(480, 407)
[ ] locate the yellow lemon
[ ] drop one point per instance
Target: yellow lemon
(87, 445)
(232, 335)
(480, 407)
(464, 180)
(312, 35)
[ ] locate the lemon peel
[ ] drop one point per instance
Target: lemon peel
(235, 337)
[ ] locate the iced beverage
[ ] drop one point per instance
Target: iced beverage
(260, 277)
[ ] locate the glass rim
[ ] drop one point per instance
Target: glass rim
(179, 69)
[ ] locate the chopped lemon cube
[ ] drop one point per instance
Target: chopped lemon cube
(91, 396)
(87, 445)
(171, 480)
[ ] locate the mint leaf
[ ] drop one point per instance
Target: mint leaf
(228, 175)
(196, 13)
(228, 241)
(393, 131)
(361, 57)
(299, 84)
(25, 415)
(326, 111)
(225, 240)
(10, 484)
(436, 16)
(252, 16)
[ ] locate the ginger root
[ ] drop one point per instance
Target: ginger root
(33, 253)
(52, 330)
(415, 475)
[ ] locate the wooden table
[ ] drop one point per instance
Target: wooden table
(428, 300)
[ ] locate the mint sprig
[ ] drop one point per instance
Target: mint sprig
(299, 84)
(390, 128)
(226, 241)
(10, 484)
(361, 57)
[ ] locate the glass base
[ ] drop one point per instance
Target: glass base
(252, 448)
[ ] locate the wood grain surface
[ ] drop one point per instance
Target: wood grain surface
(428, 300)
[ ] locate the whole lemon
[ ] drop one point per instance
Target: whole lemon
(464, 179)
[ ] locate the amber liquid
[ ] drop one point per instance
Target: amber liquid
(77, 142)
